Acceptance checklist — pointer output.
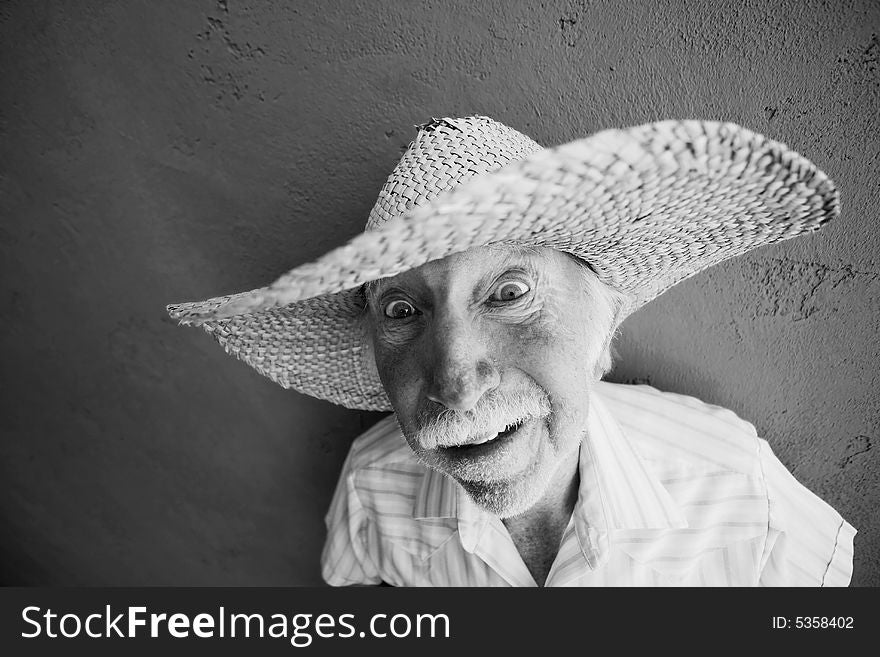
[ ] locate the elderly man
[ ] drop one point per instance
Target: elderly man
(480, 306)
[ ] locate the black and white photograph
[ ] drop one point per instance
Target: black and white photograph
(572, 293)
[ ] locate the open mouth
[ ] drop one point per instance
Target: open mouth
(494, 456)
(507, 431)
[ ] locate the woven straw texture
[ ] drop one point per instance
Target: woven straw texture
(646, 206)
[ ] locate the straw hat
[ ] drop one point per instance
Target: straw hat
(646, 207)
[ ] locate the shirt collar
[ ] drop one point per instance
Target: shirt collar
(436, 497)
(617, 492)
(440, 496)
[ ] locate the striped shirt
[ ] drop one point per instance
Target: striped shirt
(673, 492)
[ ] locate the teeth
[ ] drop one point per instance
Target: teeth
(490, 437)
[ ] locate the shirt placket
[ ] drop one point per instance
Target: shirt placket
(486, 537)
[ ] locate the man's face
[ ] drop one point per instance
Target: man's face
(488, 357)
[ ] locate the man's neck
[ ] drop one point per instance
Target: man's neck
(538, 532)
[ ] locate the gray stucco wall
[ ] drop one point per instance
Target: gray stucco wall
(168, 151)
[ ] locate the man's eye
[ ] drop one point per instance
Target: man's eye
(509, 291)
(399, 309)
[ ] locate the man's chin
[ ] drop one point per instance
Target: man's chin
(506, 498)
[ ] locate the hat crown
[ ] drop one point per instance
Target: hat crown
(445, 153)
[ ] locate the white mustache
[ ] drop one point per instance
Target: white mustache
(494, 413)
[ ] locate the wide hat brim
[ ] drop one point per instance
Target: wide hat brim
(646, 207)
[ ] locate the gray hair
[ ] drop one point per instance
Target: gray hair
(611, 304)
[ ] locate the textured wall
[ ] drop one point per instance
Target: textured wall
(168, 151)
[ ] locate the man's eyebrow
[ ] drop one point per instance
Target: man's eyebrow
(372, 289)
(517, 253)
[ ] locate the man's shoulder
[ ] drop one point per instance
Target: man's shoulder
(382, 445)
(668, 426)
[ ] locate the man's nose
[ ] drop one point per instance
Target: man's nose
(460, 369)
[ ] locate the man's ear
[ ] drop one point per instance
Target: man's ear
(607, 354)
(604, 361)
